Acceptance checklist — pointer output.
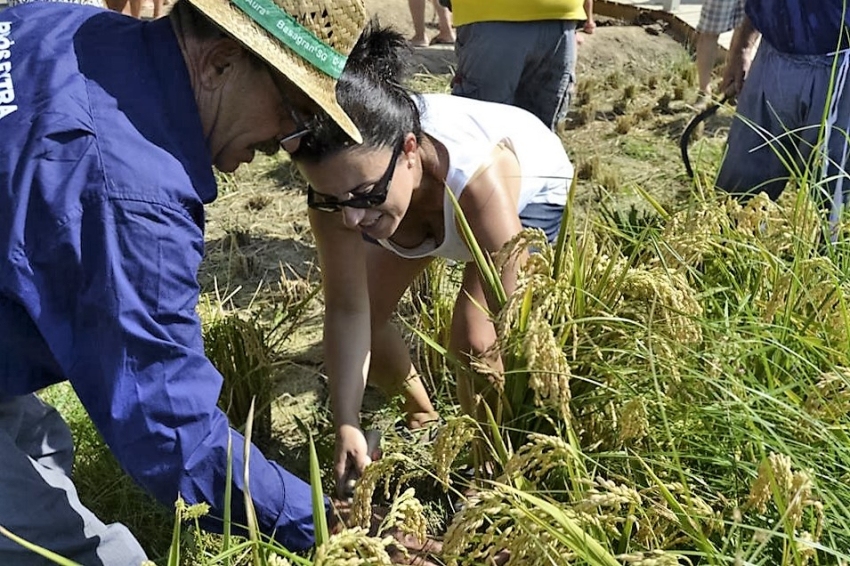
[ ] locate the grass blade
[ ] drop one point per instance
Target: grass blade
(320, 520)
(52, 556)
(228, 497)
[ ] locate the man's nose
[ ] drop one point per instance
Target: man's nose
(352, 217)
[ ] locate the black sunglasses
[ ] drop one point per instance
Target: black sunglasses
(376, 196)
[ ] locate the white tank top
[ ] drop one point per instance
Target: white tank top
(470, 130)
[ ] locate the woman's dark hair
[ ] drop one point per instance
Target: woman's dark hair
(370, 91)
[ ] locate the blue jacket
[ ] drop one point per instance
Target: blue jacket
(104, 173)
(802, 27)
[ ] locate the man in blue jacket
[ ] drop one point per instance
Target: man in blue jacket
(794, 106)
(109, 129)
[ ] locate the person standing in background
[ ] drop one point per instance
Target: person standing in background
(793, 102)
(590, 22)
(519, 53)
(716, 17)
(446, 35)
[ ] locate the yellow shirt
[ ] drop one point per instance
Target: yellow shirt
(471, 11)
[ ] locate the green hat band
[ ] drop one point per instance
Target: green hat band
(295, 36)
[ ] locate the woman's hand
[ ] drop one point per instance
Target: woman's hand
(350, 458)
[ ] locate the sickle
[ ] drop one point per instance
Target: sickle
(689, 130)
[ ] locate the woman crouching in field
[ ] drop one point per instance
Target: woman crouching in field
(380, 213)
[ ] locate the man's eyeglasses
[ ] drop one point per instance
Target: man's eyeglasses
(302, 126)
(376, 196)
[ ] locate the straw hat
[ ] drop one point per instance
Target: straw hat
(306, 40)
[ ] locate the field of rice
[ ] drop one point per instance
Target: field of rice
(676, 387)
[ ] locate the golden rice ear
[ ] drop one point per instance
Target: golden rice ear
(337, 24)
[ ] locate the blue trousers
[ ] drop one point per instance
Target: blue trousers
(525, 64)
(38, 501)
(778, 131)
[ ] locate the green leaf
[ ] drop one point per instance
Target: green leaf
(52, 556)
(320, 520)
(228, 497)
(566, 530)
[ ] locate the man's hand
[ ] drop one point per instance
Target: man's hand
(741, 53)
(350, 458)
(736, 72)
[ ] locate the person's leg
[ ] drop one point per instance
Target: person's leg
(136, 8)
(825, 147)
(716, 17)
(417, 14)
(390, 367)
(546, 84)
(590, 22)
(446, 32)
(706, 57)
(38, 501)
(157, 8)
(118, 5)
(491, 57)
(472, 338)
(762, 148)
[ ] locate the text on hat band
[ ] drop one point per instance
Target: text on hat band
(295, 36)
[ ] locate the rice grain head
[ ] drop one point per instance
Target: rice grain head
(407, 515)
(354, 547)
(453, 437)
(377, 471)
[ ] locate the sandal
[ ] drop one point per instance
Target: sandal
(437, 40)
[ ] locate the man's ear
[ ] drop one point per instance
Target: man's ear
(218, 60)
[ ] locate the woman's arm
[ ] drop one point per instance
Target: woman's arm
(347, 334)
(489, 203)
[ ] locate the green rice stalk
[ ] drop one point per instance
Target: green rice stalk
(174, 550)
(566, 229)
(320, 520)
(564, 529)
(250, 512)
(489, 274)
(228, 496)
(502, 452)
(43, 552)
(695, 534)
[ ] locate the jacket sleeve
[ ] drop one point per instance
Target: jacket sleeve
(133, 351)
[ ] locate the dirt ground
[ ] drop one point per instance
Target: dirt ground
(633, 99)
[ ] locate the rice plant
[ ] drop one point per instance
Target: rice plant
(238, 350)
(690, 396)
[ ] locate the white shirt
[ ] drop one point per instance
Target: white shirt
(470, 130)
